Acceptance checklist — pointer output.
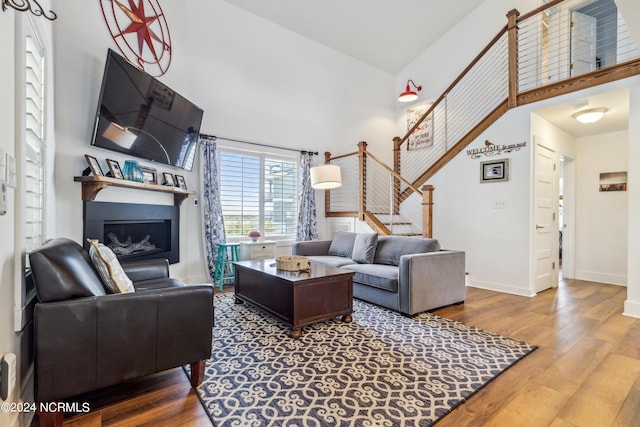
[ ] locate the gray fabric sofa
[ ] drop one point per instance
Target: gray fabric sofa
(407, 274)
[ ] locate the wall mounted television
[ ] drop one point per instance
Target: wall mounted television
(140, 116)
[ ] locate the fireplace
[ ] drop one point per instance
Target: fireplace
(134, 231)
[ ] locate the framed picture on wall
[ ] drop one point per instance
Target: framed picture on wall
(494, 171)
(613, 181)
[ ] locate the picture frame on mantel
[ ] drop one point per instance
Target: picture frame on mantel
(150, 175)
(180, 182)
(94, 165)
(168, 179)
(494, 171)
(114, 168)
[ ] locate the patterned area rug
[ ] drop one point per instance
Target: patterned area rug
(383, 369)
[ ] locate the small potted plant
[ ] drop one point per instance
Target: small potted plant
(254, 235)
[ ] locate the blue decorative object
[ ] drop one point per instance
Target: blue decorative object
(132, 172)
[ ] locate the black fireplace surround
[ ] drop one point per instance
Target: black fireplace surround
(134, 231)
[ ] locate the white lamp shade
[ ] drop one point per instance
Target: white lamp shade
(119, 135)
(326, 177)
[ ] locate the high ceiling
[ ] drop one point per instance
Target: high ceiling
(383, 33)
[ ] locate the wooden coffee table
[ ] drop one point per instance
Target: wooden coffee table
(297, 298)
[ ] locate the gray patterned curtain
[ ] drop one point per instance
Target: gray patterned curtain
(211, 205)
(307, 228)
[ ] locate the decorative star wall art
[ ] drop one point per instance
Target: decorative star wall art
(139, 29)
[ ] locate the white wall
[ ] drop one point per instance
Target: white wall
(601, 223)
(496, 241)
(254, 80)
(632, 304)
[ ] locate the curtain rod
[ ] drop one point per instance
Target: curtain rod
(213, 138)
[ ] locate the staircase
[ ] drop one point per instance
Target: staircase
(529, 60)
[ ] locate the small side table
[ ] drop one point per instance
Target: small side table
(257, 250)
(227, 255)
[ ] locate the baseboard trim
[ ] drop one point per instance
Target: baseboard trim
(609, 279)
(497, 287)
(632, 309)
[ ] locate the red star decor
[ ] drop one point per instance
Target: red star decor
(141, 33)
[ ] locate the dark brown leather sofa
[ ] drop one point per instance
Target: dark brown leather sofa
(86, 339)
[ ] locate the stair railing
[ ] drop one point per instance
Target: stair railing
(530, 59)
(381, 205)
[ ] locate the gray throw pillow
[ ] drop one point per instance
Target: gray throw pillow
(342, 244)
(364, 248)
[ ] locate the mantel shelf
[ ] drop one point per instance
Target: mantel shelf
(92, 185)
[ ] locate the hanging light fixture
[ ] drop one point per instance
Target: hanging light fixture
(408, 95)
(29, 5)
(326, 177)
(591, 115)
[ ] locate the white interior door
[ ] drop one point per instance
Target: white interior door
(583, 43)
(546, 234)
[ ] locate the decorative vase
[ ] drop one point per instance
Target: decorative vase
(132, 172)
(254, 239)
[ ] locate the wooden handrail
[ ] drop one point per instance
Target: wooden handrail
(353, 153)
(454, 83)
(538, 10)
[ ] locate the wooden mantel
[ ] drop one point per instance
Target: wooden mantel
(92, 185)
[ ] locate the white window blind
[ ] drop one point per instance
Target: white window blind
(34, 146)
(258, 192)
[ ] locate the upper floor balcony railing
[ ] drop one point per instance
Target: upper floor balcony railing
(560, 47)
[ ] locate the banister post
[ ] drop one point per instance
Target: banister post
(362, 171)
(427, 210)
(512, 53)
(396, 168)
(327, 193)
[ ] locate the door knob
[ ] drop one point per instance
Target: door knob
(539, 226)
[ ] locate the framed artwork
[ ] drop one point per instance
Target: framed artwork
(150, 175)
(423, 136)
(494, 171)
(180, 182)
(94, 165)
(114, 168)
(168, 179)
(613, 181)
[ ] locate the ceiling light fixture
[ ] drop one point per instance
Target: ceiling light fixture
(408, 95)
(326, 177)
(591, 115)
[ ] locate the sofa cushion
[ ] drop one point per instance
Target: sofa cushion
(342, 244)
(332, 261)
(114, 279)
(391, 248)
(62, 270)
(364, 248)
(376, 275)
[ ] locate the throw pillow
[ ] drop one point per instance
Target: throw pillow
(114, 279)
(364, 248)
(342, 244)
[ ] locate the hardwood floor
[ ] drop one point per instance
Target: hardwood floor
(586, 371)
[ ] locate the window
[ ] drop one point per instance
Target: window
(34, 147)
(258, 191)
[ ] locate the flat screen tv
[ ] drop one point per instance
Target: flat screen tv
(139, 116)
